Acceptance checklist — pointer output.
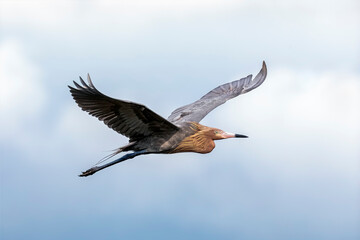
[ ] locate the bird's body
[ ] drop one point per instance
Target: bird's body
(150, 133)
(191, 137)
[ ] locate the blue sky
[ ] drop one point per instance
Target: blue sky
(296, 177)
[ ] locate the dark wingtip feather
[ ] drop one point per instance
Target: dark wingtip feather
(83, 83)
(89, 81)
(77, 85)
(264, 68)
(259, 78)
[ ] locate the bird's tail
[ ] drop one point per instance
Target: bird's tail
(116, 151)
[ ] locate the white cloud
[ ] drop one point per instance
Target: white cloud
(326, 100)
(49, 14)
(22, 95)
(286, 32)
(298, 121)
(52, 13)
(38, 13)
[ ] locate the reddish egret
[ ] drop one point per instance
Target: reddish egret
(150, 133)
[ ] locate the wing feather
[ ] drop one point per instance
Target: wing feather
(127, 118)
(197, 110)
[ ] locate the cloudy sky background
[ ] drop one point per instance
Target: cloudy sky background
(296, 177)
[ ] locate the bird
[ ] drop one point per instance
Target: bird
(148, 132)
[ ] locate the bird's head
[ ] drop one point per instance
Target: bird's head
(217, 134)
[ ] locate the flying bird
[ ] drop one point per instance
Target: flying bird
(148, 132)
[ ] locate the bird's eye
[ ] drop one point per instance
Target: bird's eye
(216, 132)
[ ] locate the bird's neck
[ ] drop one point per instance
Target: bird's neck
(199, 141)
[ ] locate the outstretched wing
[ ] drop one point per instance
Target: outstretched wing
(196, 111)
(127, 118)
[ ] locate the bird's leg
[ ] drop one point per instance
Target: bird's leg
(93, 170)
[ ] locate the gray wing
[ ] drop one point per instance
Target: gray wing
(196, 111)
(127, 118)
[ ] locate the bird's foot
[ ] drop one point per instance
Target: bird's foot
(89, 172)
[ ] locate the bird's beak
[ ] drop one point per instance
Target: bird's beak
(240, 136)
(232, 135)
